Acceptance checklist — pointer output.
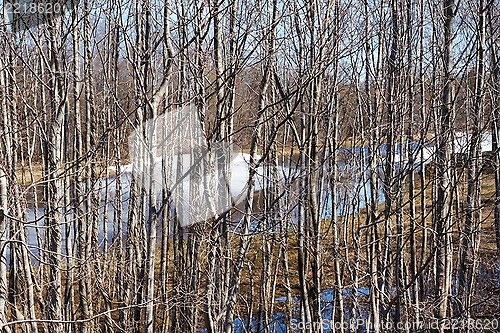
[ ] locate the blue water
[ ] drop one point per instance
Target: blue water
(279, 320)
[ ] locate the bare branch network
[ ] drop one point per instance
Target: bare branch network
(246, 166)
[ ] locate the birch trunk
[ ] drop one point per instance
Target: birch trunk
(495, 123)
(470, 241)
(443, 217)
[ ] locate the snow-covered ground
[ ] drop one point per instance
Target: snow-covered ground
(463, 142)
(183, 196)
(194, 187)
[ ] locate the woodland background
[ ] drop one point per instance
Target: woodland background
(292, 82)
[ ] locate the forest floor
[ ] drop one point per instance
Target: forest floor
(487, 250)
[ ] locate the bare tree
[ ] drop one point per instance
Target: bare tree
(443, 218)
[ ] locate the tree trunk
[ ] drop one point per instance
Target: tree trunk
(495, 123)
(443, 215)
(470, 241)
